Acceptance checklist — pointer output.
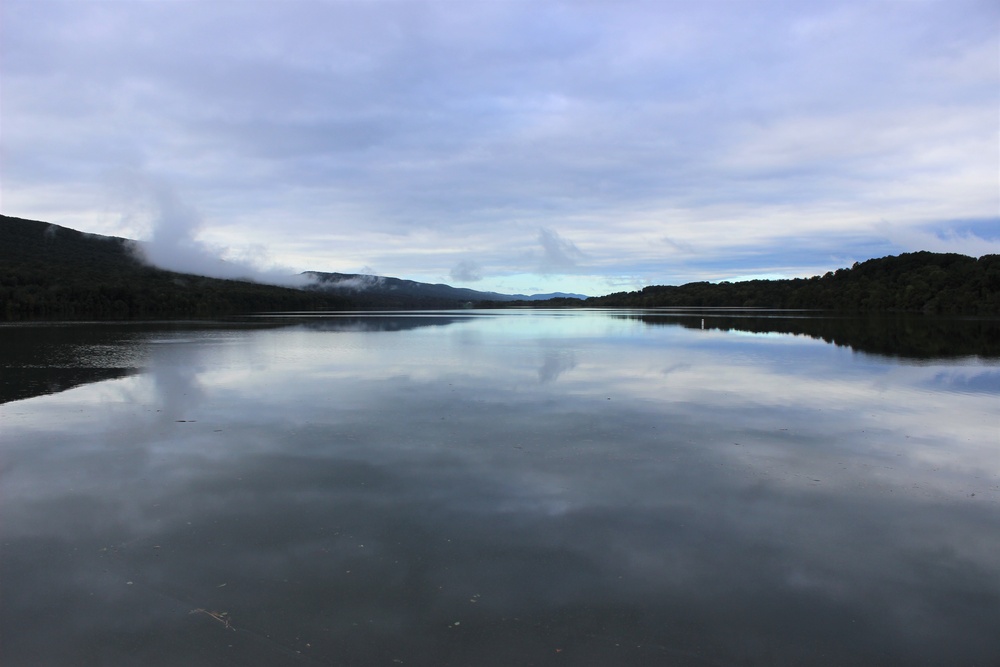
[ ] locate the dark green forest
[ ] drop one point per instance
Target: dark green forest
(53, 272)
(48, 271)
(918, 282)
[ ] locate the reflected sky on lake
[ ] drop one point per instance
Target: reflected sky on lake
(567, 488)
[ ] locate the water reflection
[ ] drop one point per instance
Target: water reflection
(48, 359)
(369, 322)
(905, 336)
(555, 363)
(571, 490)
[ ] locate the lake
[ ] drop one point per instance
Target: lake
(501, 488)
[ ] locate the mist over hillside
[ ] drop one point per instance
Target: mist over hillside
(47, 270)
(50, 271)
(367, 286)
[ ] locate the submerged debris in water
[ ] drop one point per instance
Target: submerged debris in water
(220, 616)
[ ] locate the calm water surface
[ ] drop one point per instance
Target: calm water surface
(547, 488)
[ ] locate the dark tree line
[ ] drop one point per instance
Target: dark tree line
(919, 282)
(47, 271)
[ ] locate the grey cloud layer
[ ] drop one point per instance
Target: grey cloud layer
(467, 129)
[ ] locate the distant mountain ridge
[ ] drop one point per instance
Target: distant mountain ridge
(370, 284)
(50, 271)
(47, 270)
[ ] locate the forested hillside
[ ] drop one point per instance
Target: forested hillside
(912, 282)
(48, 271)
(382, 292)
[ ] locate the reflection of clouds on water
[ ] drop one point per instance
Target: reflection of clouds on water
(173, 371)
(325, 531)
(676, 368)
(555, 363)
(972, 381)
(350, 496)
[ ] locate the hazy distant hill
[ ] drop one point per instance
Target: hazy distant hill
(398, 292)
(51, 271)
(47, 270)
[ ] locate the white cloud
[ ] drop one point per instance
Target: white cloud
(947, 239)
(416, 135)
(467, 271)
(173, 241)
(559, 255)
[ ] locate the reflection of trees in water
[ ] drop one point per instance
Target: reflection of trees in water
(373, 323)
(20, 383)
(907, 336)
(48, 358)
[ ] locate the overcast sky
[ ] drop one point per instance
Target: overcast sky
(505, 145)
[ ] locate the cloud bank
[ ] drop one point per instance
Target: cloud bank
(173, 242)
(666, 142)
(558, 254)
